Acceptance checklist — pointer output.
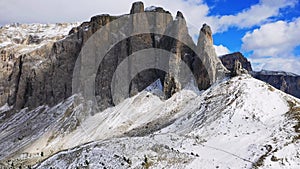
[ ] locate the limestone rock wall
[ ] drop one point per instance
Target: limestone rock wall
(44, 75)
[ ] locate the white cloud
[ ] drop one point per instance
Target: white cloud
(271, 39)
(221, 50)
(255, 15)
(52, 11)
(195, 11)
(272, 45)
(276, 39)
(284, 64)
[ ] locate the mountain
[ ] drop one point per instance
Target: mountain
(46, 75)
(184, 111)
(284, 81)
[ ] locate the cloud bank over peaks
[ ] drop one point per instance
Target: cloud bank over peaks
(273, 46)
(196, 12)
(255, 15)
(290, 64)
(275, 39)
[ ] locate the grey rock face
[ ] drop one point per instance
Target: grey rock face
(25, 56)
(10, 72)
(44, 76)
(49, 81)
(174, 80)
(212, 63)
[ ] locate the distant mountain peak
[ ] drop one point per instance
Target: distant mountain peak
(285, 81)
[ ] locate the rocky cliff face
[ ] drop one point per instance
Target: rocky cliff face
(29, 63)
(43, 75)
(214, 66)
(286, 82)
(229, 59)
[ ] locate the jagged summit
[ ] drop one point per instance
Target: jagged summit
(179, 15)
(31, 86)
(137, 7)
(209, 56)
(206, 30)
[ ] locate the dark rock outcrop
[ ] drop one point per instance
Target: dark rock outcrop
(137, 7)
(238, 69)
(229, 60)
(179, 15)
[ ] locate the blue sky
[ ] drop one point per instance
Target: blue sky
(235, 34)
(232, 38)
(267, 43)
(266, 31)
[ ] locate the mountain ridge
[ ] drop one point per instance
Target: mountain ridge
(284, 81)
(199, 126)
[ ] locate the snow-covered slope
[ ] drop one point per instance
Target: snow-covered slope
(23, 38)
(238, 123)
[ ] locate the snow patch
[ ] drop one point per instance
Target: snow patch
(5, 108)
(17, 37)
(157, 85)
(150, 8)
